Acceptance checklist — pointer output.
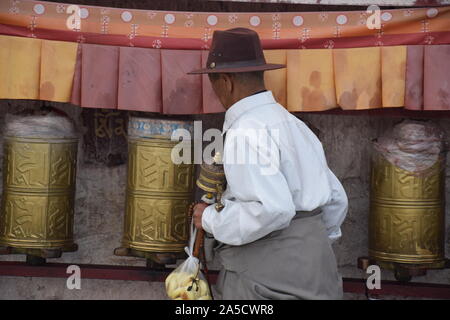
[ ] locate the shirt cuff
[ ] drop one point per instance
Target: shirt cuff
(335, 235)
(208, 218)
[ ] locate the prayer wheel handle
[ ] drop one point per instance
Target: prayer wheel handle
(200, 236)
(199, 250)
(198, 244)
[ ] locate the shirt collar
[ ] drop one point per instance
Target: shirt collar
(244, 105)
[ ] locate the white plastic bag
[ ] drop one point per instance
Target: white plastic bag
(187, 282)
(414, 146)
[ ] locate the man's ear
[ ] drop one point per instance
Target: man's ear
(228, 83)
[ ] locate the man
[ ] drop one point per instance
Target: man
(282, 211)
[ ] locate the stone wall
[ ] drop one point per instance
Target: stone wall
(100, 196)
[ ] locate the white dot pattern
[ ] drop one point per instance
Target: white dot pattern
(297, 21)
(212, 20)
(341, 19)
(39, 8)
(169, 18)
(84, 13)
(386, 16)
(433, 12)
(126, 16)
(255, 21)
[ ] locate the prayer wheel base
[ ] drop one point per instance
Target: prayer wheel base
(403, 272)
(34, 255)
(35, 261)
(155, 260)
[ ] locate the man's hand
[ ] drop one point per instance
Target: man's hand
(198, 213)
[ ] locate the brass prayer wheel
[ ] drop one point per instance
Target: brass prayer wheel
(407, 210)
(212, 180)
(159, 191)
(39, 174)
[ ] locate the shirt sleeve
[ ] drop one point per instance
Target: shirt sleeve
(335, 210)
(261, 201)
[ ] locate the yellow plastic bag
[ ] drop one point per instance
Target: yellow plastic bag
(187, 282)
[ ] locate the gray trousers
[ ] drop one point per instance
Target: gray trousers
(294, 263)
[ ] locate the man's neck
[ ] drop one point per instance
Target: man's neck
(246, 94)
(260, 91)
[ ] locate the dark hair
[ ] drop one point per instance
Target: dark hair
(243, 77)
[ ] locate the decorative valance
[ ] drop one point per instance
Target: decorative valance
(125, 59)
(193, 30)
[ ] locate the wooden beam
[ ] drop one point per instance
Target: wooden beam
(399, 289)
(129, 273)
(383, 3)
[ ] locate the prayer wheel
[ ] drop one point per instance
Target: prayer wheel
(39, 174)
(159, 191)
(407, 209)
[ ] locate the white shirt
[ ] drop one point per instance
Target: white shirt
(263, 196)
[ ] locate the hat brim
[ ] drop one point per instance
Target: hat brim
(263, 67)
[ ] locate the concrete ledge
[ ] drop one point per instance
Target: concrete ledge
(129, 273)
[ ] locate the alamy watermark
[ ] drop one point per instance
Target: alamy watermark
(245, 146)
(374, 280)
(73, 22)
(74, 280)
(374, 20)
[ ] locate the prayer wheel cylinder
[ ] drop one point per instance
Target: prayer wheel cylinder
(159, 191)
(407, 211)
(39, 173)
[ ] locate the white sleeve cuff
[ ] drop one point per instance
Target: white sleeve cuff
(208, 218)
(335, 235)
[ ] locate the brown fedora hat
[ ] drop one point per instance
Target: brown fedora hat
(236, 50)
